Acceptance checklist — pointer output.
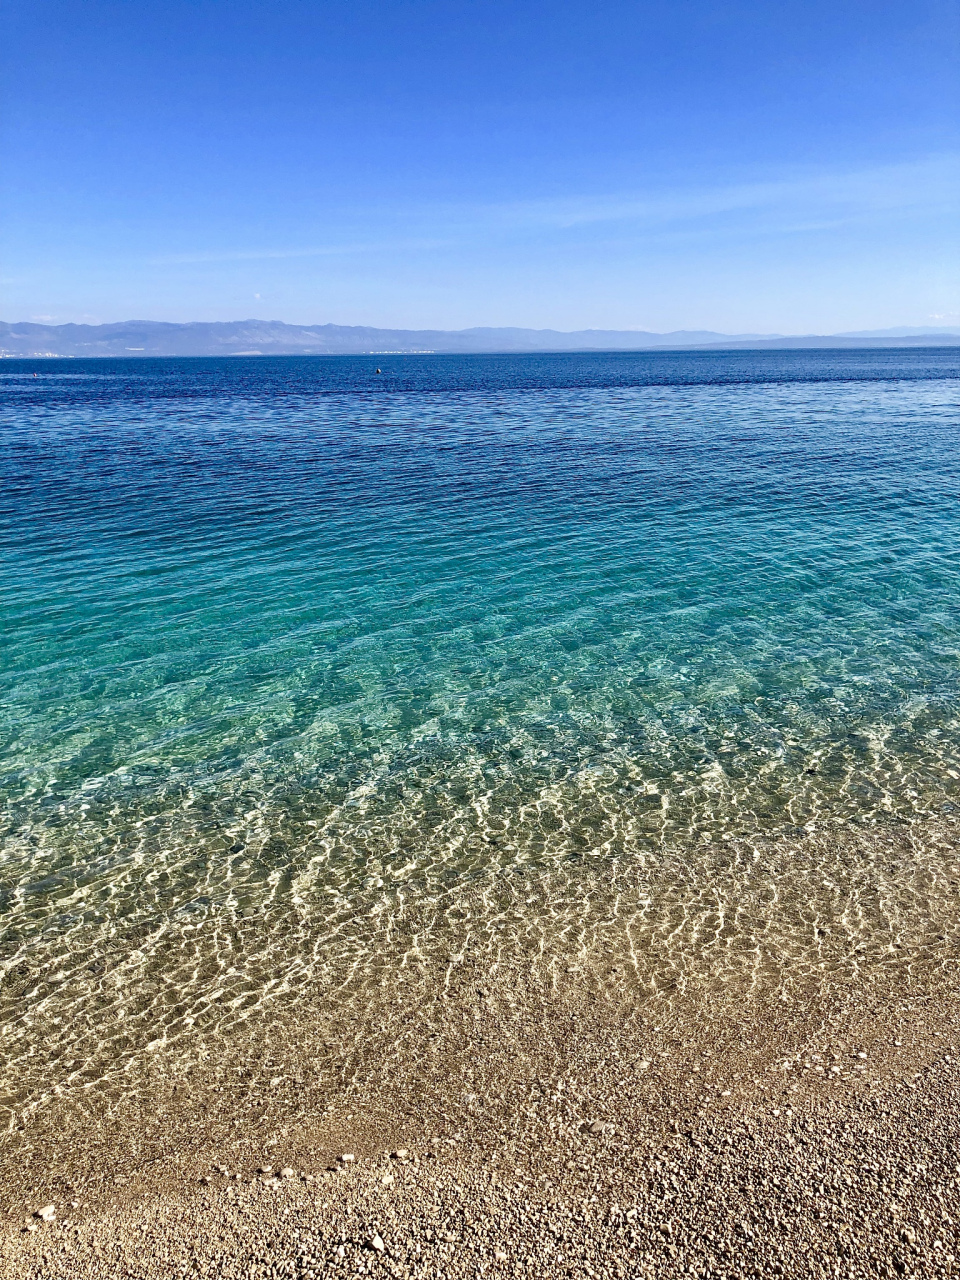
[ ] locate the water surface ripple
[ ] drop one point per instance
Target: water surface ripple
(312, 679)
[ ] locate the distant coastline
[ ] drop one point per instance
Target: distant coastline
(138, 339)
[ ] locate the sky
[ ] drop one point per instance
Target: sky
(790, 166)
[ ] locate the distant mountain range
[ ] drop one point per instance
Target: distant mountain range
(273, 337)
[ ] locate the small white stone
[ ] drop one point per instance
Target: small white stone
(47, 1213)
(346, 1158)
(377, 1243)
(287, 1173)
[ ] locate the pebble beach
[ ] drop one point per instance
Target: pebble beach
(790, 1141)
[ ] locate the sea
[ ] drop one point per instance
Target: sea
(321, 674)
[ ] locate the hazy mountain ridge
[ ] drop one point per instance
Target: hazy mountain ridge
(274, 337)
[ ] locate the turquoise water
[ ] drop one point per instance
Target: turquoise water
(292, 650)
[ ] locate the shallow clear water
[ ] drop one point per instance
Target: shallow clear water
(295, 654)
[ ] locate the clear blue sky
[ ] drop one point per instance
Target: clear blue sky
(790, 165)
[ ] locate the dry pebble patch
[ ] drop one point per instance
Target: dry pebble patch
(867, 1189)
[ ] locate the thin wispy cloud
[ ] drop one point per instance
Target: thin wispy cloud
(795, 204)
(931, 184)
(311, 251)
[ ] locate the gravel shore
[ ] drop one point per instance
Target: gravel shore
(768, 1139)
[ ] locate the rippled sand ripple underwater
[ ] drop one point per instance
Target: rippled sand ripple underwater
(315, 682)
